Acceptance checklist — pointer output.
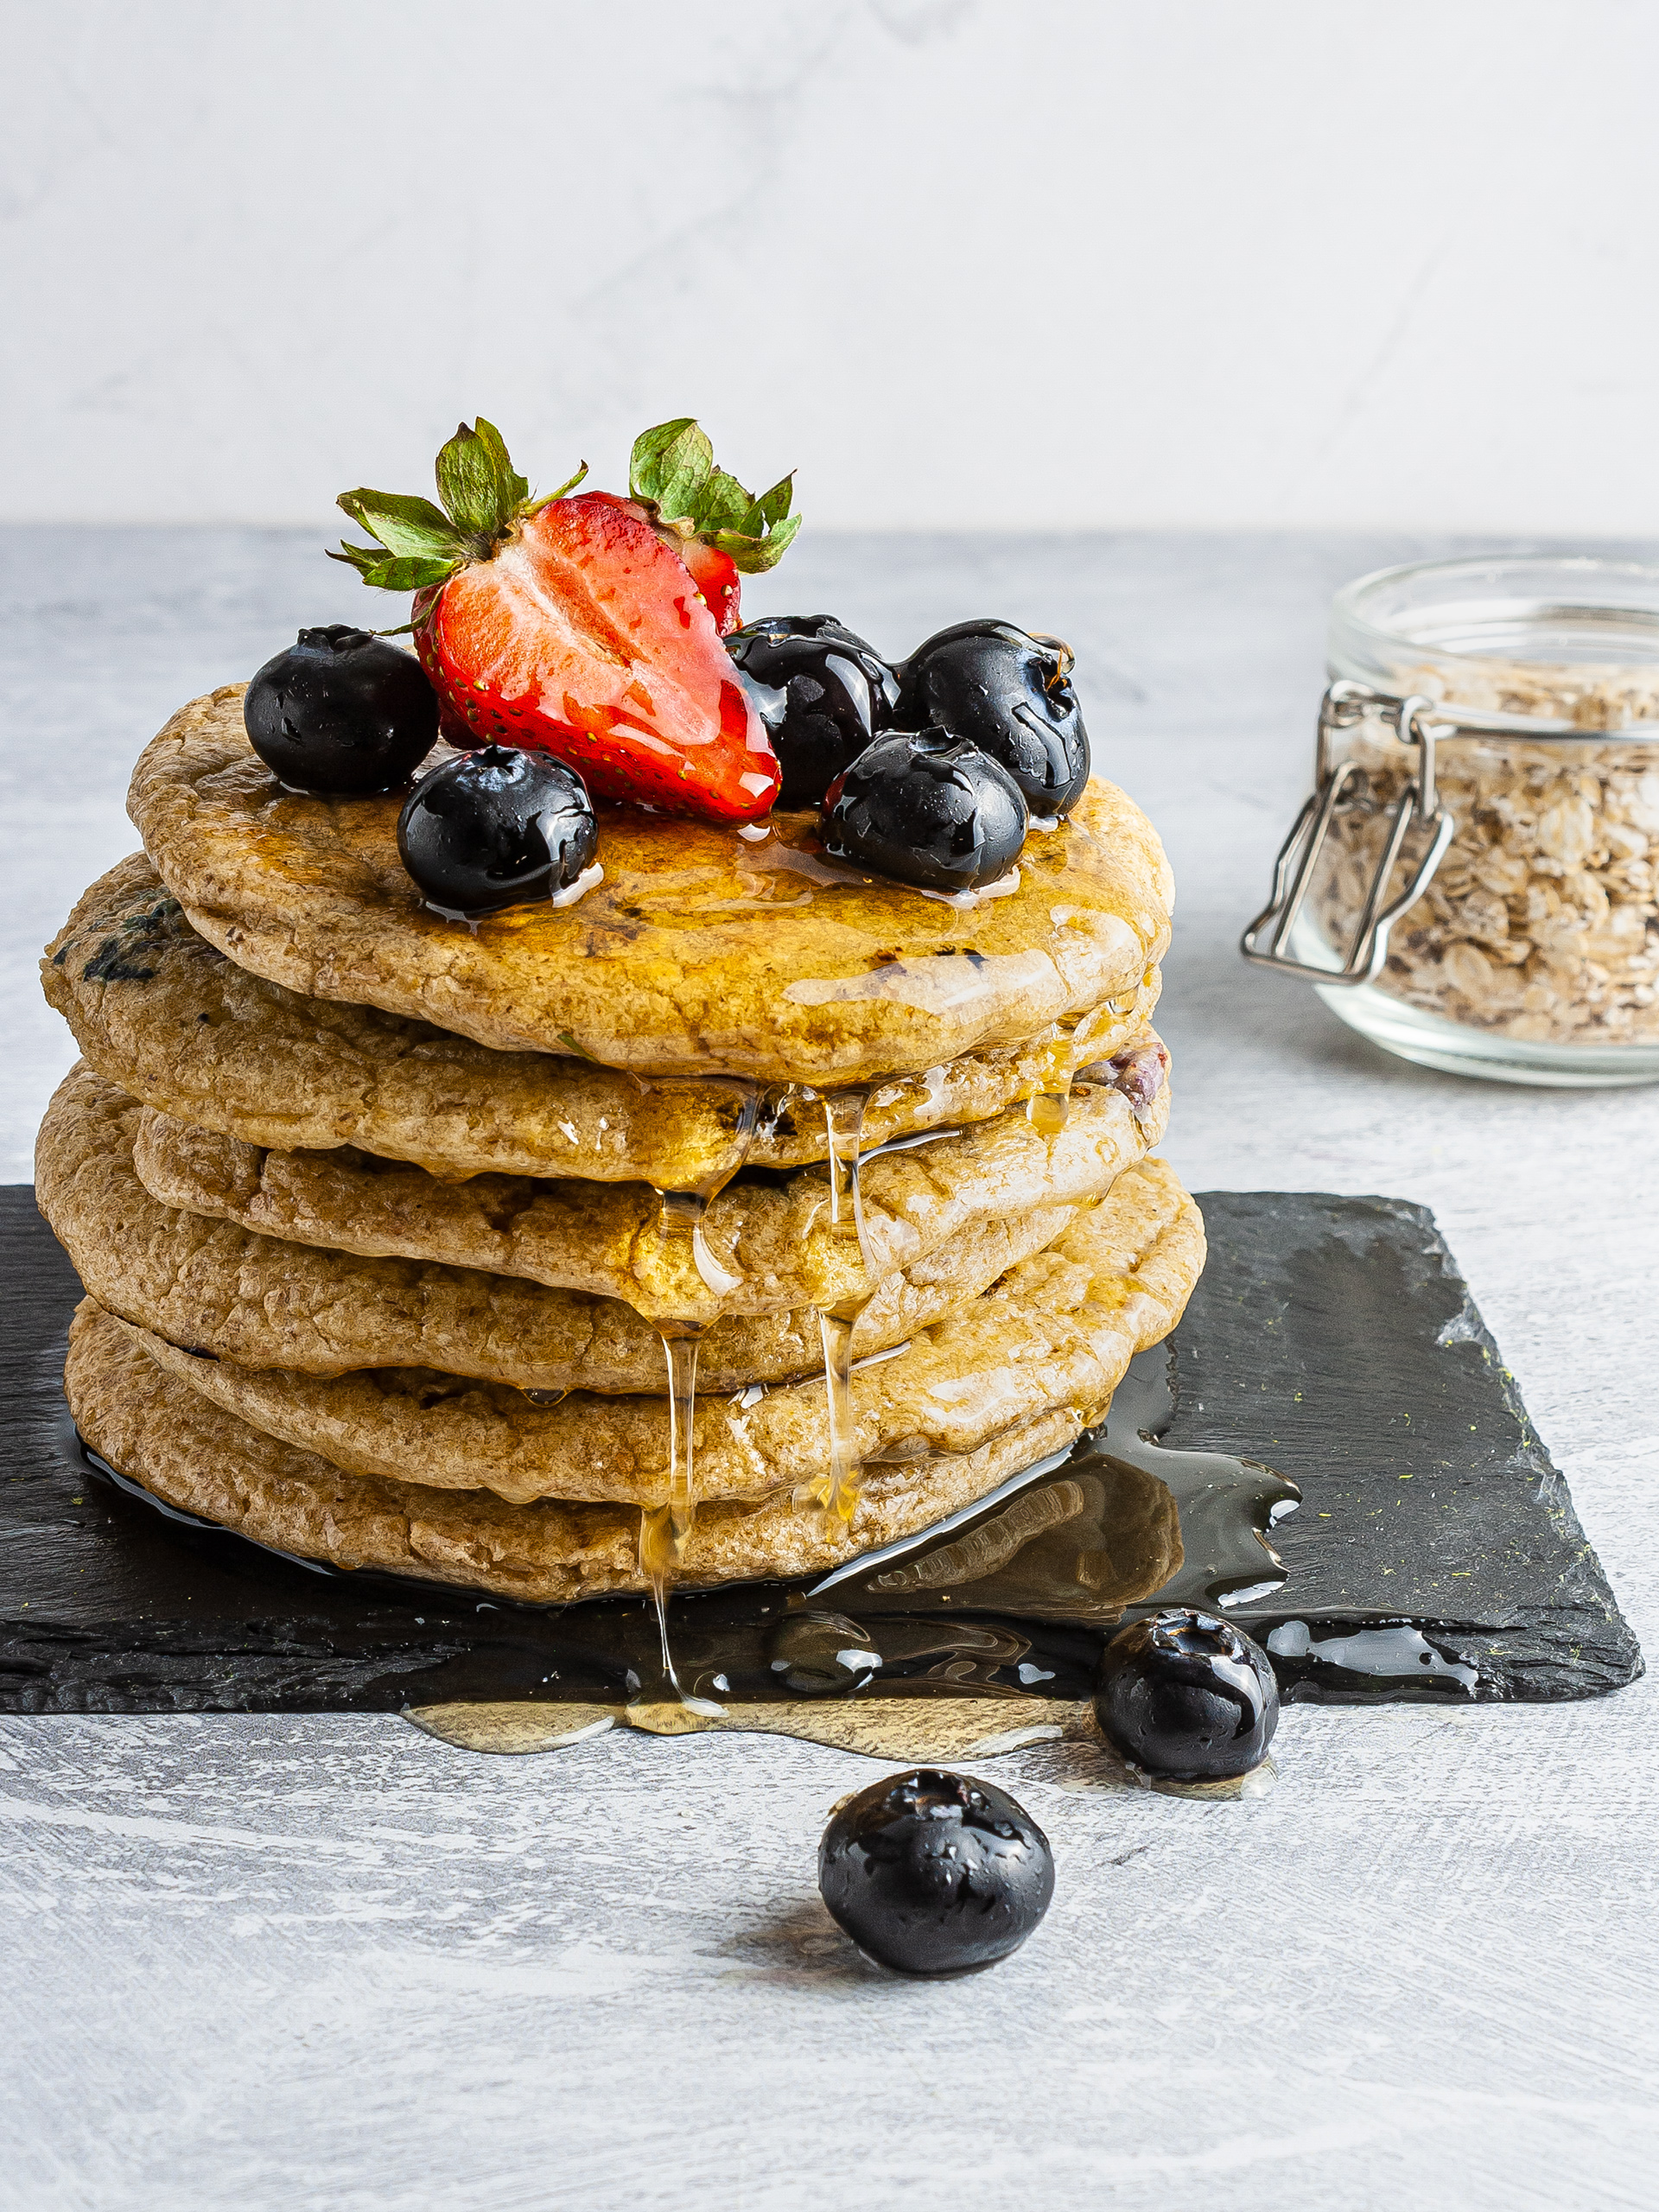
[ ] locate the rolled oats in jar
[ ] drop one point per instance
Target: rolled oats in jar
(1496, 722)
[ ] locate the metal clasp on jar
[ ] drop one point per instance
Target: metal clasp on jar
(1342, 781)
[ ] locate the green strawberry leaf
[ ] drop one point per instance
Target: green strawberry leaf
(411, 573)
(721, 505)
(669, 466)
(361, 558)
(772, 506)
(515, 488)
(645, 462)
(752, 555)
(396, 572)
(477, 481)
(547, 499)
(404, 525)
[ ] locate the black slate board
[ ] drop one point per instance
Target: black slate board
(1436, 1554)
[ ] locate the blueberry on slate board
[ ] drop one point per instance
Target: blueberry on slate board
(342, 711)
(935, 1873)
(1009, 693)
(928, 809)
(497, 827)
(821, 692)
(1186, 1695)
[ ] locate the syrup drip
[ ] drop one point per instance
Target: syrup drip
(1050, 1104)
(836, 1489)
(683, 1215)
(664, 1529)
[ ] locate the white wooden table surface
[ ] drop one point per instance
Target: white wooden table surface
(329, 1962)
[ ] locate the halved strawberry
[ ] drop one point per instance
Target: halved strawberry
(716, 576)
(720, 531)
(573, 625)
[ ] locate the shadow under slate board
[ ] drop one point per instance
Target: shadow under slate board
(1330, 1446)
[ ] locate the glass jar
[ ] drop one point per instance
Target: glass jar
(1475, 883)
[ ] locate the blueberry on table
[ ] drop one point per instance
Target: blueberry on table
(1009, 693)
(821, 692)
(1186, 1695)
(497, 827)
(934, 1873)
(928, 809)
(341, 711)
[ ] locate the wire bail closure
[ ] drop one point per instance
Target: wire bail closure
(1343, 708)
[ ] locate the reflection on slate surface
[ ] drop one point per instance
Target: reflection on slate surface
(1435, 1553)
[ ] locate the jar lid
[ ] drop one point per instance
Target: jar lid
(1535, 644)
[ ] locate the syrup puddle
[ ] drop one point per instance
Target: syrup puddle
(906, 1730)
(931, 1730)
(979, 1634)
(1374, 1660)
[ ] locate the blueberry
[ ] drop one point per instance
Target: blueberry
(1188, 1695)
(935, 1873)
(1011, 695)
(799, 625)
(821, 692)
(928, 809)
(341, 710)
(497, 827)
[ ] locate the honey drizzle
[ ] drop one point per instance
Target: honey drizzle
(836, 1489)
(663, 1529)
(1048, 1104)
(666, 1528)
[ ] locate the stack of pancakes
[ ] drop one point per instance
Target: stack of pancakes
(369, 1202)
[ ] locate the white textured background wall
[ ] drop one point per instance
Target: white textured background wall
(993, 263)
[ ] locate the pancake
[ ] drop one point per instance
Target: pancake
(766, 1246)
(699, 952)
(1051, 1337)
(194, 1456)
(214, 1287)
(162, 1013)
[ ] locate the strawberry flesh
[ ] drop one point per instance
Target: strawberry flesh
(585, 636)
(716, 576)
(713, 573)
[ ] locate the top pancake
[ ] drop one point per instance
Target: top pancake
(700, 952)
